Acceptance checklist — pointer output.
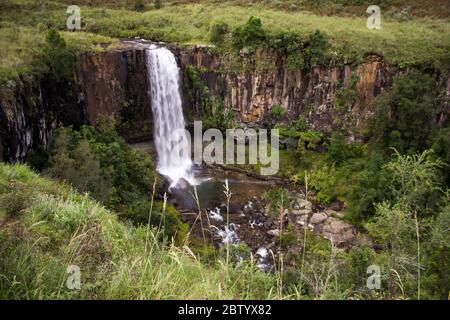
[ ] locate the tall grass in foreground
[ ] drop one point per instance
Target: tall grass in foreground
(47, 227)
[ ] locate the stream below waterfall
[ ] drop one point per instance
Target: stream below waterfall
(247, 219)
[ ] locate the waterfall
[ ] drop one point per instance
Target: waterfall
(172, 145)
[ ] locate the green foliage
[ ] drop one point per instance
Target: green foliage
(277, 111)
(139, 5)
(323, 180)
(218, 31)
(278, 198)
(424, 41)
(357, 261)
(238, 252)
(219, 116)
(346, 95)
(58, 57)
(291, 44)
(309, 140)
(99, 162)
(76, 164)
(441, 146)
(339, 150)
(317, 49)
(165, 218)
(214, 113)
(405, 115)
(252, 34)
(436, 280)
(369, 188)
(403, 225)
(288, 239)
(415, 181)
(158, 4)
(130, 173)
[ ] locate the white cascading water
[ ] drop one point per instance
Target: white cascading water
(172, 146)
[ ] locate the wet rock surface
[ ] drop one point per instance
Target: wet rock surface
(261, 229)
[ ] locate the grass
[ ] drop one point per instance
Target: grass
(416, 41)
(49, 226)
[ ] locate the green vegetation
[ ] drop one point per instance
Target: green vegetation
(214, 114)
(218, 33)
(425, 41)
(405, 115)
(99, 203)
(55, 227)
(99, 162)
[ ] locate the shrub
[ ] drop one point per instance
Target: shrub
(291, 43)
(323, 180)
(405, 115)
(252, 34)
(339, 150)
(59, 59)
(369, 188)
(309, 140)
(165, 219)
(123, 173)
(277, 198)
(441, 146)
(75, 163)
(139, 5)
(317, 49)
(277, 111)
(218, 33)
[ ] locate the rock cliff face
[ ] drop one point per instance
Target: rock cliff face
(115, 83)
(110, 83)
(328, 98)
(30, 108)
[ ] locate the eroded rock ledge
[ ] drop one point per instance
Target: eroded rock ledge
(115, 83)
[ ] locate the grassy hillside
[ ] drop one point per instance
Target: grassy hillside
(405, 41)
(47, 226)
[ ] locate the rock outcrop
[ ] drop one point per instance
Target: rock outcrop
(328, 97)
(114, 82)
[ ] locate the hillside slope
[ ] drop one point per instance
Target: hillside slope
(46, 227)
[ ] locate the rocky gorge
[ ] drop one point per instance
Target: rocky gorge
(114, 82)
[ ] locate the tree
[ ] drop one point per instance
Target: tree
(250, 35)
(405, 115)
(57, 56)
(218, 32)
(78, 166)
(413, 180)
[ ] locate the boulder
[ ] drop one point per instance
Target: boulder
(318, 217)
(338, 231)
(274, 233)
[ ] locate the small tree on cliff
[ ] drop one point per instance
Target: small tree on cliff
(57, 56)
